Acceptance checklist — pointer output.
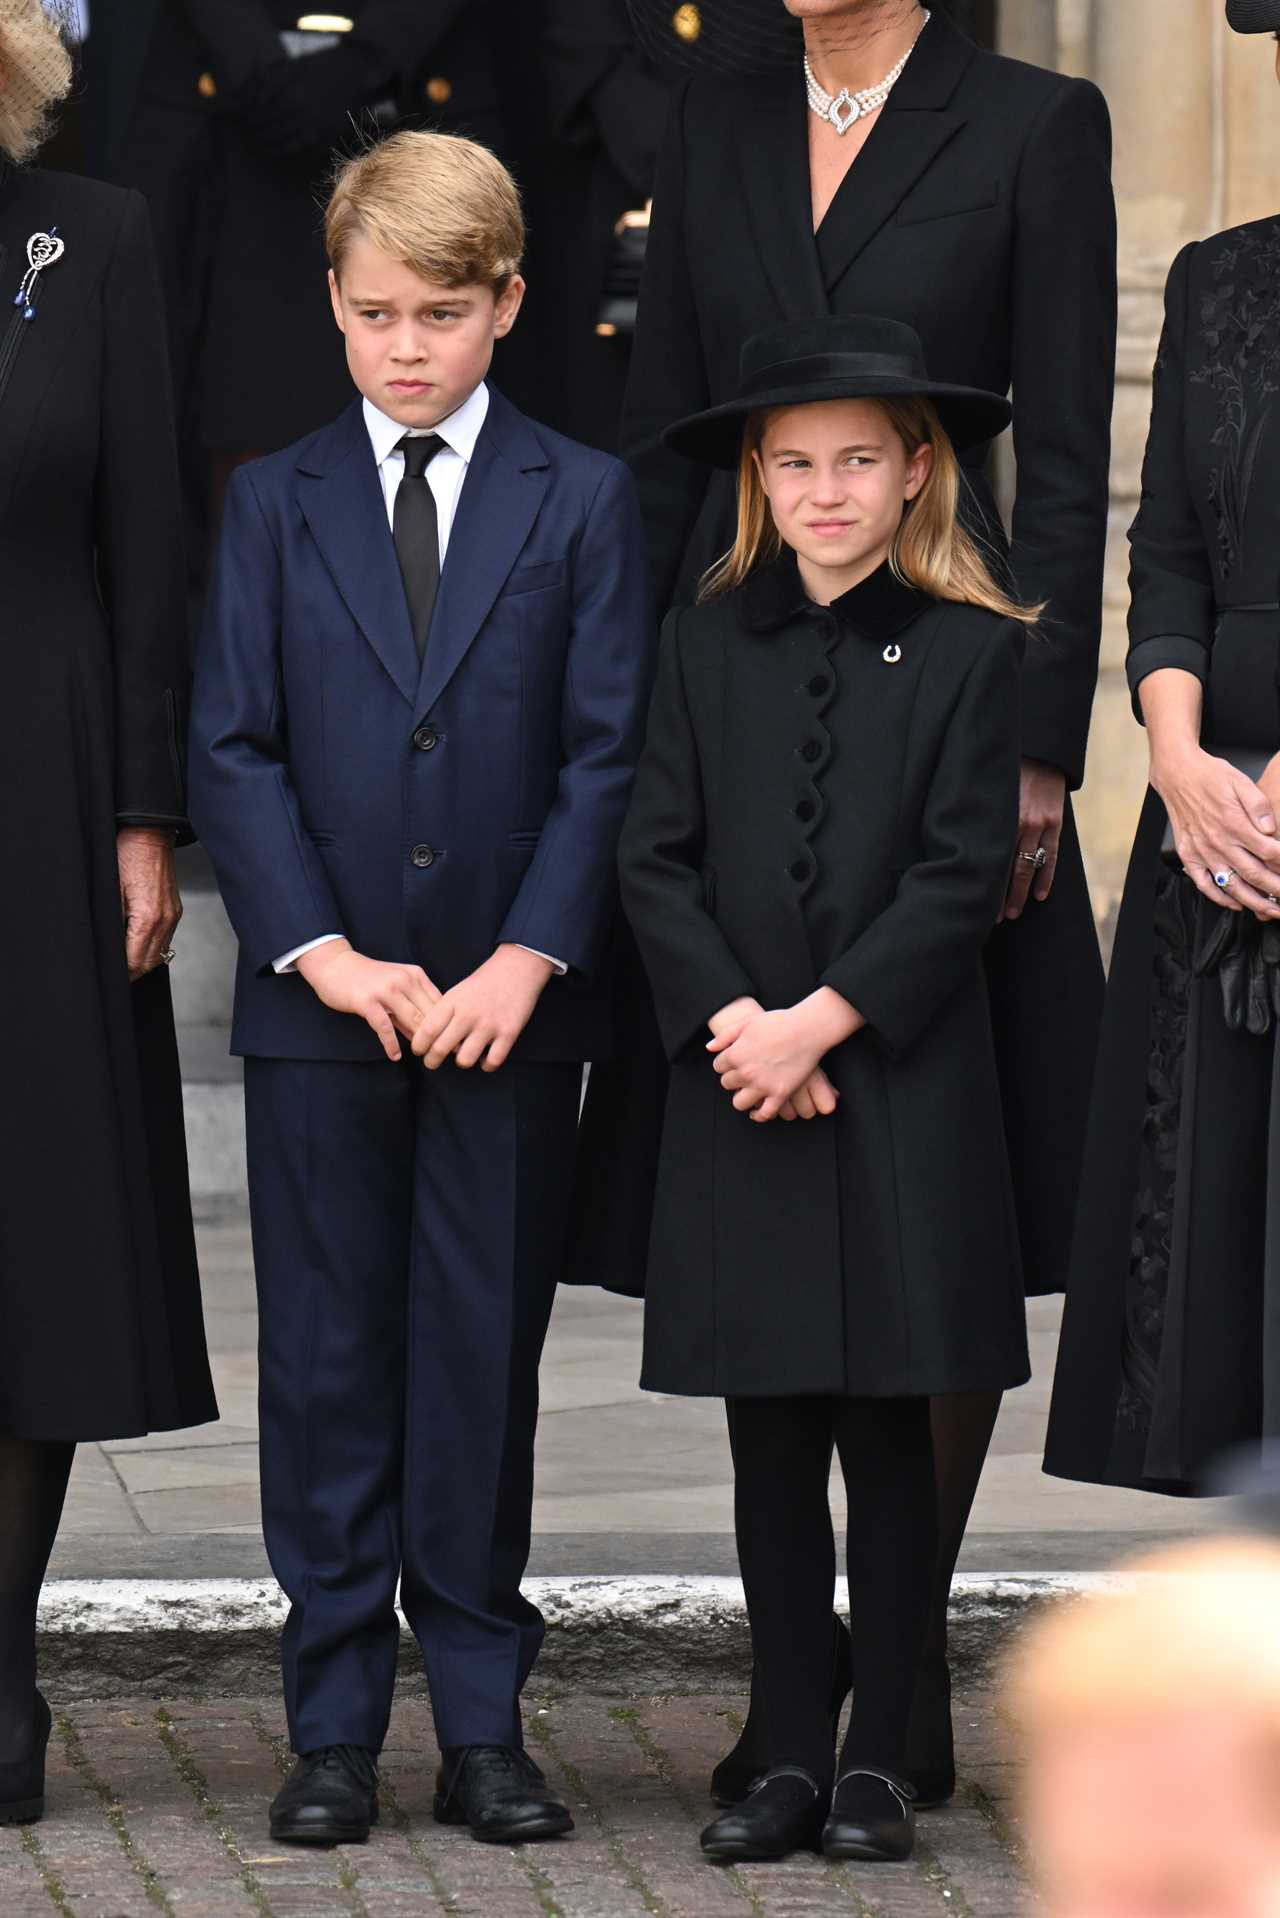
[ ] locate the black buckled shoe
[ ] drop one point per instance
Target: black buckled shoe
(872, 1816)
(734, 1776)
(22, 1779)
(329, 1798)
(501, 1794)
(782, 1813)
(931, 1752)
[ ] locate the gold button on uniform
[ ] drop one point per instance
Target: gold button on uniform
(206, 86)
(439, 90)
(687, 22)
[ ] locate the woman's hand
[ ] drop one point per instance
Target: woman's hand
(1042, 805)
(1221, 822)
(149, 898)
(775, 1055)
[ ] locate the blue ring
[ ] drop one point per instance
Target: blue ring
(1223, 879)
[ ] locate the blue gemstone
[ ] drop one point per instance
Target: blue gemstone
(19, 297)
(29, 313)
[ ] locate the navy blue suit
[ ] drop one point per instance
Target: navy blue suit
(409, 1226)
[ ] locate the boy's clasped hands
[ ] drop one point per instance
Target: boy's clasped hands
(771, 1061)
(475, 1023)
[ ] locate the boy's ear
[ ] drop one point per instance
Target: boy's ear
(507, 306)
(335, 295)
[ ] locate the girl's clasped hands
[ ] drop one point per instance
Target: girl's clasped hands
(770, 1062)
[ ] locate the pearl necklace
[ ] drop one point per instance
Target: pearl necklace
(843, 108)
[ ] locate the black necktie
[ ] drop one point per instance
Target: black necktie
(416, 531)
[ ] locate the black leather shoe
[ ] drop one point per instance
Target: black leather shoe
(931, 1752)
(782, 1813)
(501, 1794)
(872, 1816)
(22, 1779)
(734, 1776)
(329, 1798)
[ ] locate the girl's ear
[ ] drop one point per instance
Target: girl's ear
(919, 467)
(759, 466)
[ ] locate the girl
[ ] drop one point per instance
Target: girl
(817, 848)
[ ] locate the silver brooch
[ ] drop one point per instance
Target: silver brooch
(43, 250)
(892, 654)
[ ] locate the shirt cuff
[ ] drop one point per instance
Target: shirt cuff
(560, 967)
(288, 961)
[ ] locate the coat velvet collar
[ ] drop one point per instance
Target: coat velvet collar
(876, 608)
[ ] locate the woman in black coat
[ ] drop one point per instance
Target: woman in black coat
(816, 851)
(1169, 1352)
(99, 1294)
(979, 210)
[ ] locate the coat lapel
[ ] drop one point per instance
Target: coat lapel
(772, 150)
(501, 495)
(343, 504)
(912, 130)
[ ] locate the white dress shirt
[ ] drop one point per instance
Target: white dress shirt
(445, 474)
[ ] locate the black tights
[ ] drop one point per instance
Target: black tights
(33, 1485)
(786, 1548)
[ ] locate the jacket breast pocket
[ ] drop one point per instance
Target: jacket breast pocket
(947, 200)
(534, 579)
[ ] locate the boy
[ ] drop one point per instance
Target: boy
(418, 708)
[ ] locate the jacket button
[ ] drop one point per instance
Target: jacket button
(425, 738)
(820, 685)
(806, 810)
(423, 856)
(800, 870)
(810, 751)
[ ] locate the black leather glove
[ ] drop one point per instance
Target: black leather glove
(1245, 954)
(296, 108)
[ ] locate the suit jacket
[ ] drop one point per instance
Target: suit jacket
(433, 811)
(980, 212)
(810, 813)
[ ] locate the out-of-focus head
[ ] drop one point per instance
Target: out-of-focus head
(35, 76)
(1151, 1715)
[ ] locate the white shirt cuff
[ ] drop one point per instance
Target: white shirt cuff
(288, 961)
(559, 964)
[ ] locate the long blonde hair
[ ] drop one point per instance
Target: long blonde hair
(35, 76)
(931, 551)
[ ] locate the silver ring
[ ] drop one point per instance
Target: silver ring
(1039, 858)
(1223, 879)
(168, 956)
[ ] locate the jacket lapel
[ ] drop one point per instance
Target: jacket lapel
(914, 127)
(772, 151)
(343, 504)
(503, 490)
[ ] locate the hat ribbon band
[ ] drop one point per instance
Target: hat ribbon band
(815, 367)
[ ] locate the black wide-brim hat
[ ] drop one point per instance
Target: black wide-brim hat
(1254, 16)
(718, 36)
(855, 358)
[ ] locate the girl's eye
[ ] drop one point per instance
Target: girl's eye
(795, 463)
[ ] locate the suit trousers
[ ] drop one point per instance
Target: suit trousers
(408, 1233)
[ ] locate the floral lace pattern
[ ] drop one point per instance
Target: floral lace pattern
(1239, 327)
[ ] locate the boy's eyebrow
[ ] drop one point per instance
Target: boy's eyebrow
(430, 299)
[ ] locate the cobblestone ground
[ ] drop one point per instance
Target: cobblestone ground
(161, 1810)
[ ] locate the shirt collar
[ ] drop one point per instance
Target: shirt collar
(879, 606)
(459, 431)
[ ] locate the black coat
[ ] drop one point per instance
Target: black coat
(100, 1325)
(979, 211)
(1169, 1351)
(808, 812)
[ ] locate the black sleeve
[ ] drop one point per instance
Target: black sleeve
(668, 377)
(912, 958)
(1064, 345)
(601, 90)
(404, 33)
(139, 537)
(1171, 606)
(691, 968)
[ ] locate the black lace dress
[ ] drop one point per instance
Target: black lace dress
(1171, 1340)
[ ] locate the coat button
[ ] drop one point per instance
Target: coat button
(800, 871)
(426, 738)
(423, 856)
(810, 751)
(806, 810)
(207, 87)
(819, 685)
(439, 90)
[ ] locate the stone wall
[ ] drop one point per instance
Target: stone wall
(1196, 114)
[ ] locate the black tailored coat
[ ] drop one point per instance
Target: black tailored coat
(1170, 1349)
(100, 1323)
(809, 812)
(980, 212)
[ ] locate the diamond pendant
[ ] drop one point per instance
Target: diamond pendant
(843, 111)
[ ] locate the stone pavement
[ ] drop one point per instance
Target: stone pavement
(627, 1482)
(161, 1809)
